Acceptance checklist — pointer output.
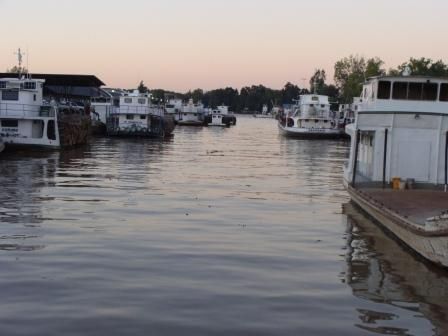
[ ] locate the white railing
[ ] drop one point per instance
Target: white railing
(25, 110)
(144, 110)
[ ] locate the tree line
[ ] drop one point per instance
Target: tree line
(349, 75)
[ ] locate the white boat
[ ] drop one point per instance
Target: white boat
(265, 114)
(192, 114)
(26, 119)
(401, 134)
(311, 118)
(132, 114)
(173, 107)
(220, 117)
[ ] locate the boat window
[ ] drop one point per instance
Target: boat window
(415, 91)
(130, 116)
(2, 85)
(10, 123)
(443, 92)
(29, 85)
(142, 117)
(383, 90)
(400, 90)
(128, 100)
(429, 91)
(142, 101)
(10, 95)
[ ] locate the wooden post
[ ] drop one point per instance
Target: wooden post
(386, 131)
(355, 163)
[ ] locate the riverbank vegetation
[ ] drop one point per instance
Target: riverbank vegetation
(349, 75)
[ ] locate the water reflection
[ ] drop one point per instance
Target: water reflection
(380, 270)
(21, 197)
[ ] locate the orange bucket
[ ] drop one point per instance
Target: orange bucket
(396, 183)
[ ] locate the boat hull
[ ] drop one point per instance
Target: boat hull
(159, 127)
(220, 120)
(263, 116)
(190, 123)
(306, 133)
(433, 246)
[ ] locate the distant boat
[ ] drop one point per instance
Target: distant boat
(192, 114)
(26, 119)
(220, 117)
(264, 113)
(311, 118)
(173, 107)
(401, 135)
(134, 115)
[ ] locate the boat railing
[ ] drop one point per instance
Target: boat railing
(25, 110)
(137, 110)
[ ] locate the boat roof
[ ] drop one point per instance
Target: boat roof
(407, 78)
(62, 79)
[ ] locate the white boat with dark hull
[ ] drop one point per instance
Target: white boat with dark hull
(401, 134)
(173, 107)
(220, 117)
(27, 120)
(311, 118)
(136, 116)
(192, 115)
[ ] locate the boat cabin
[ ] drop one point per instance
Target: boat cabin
(24, 118)
(401, 130)
(312, 113)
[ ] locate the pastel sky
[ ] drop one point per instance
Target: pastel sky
(186, 44)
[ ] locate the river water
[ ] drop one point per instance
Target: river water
(217, 231)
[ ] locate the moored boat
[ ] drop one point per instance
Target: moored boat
(134, 115)
(265, 114)
(401, 135)
(192, 115)
(173, 107)
(26, 119)
(311, 118)
(220, 117)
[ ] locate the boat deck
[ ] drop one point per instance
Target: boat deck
(416, 205)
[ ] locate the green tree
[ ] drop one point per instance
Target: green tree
(142, 88)
(374, 67)
(351, 72)
(17, 69)
(422, 67)
(317, 81)
(289, 93)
